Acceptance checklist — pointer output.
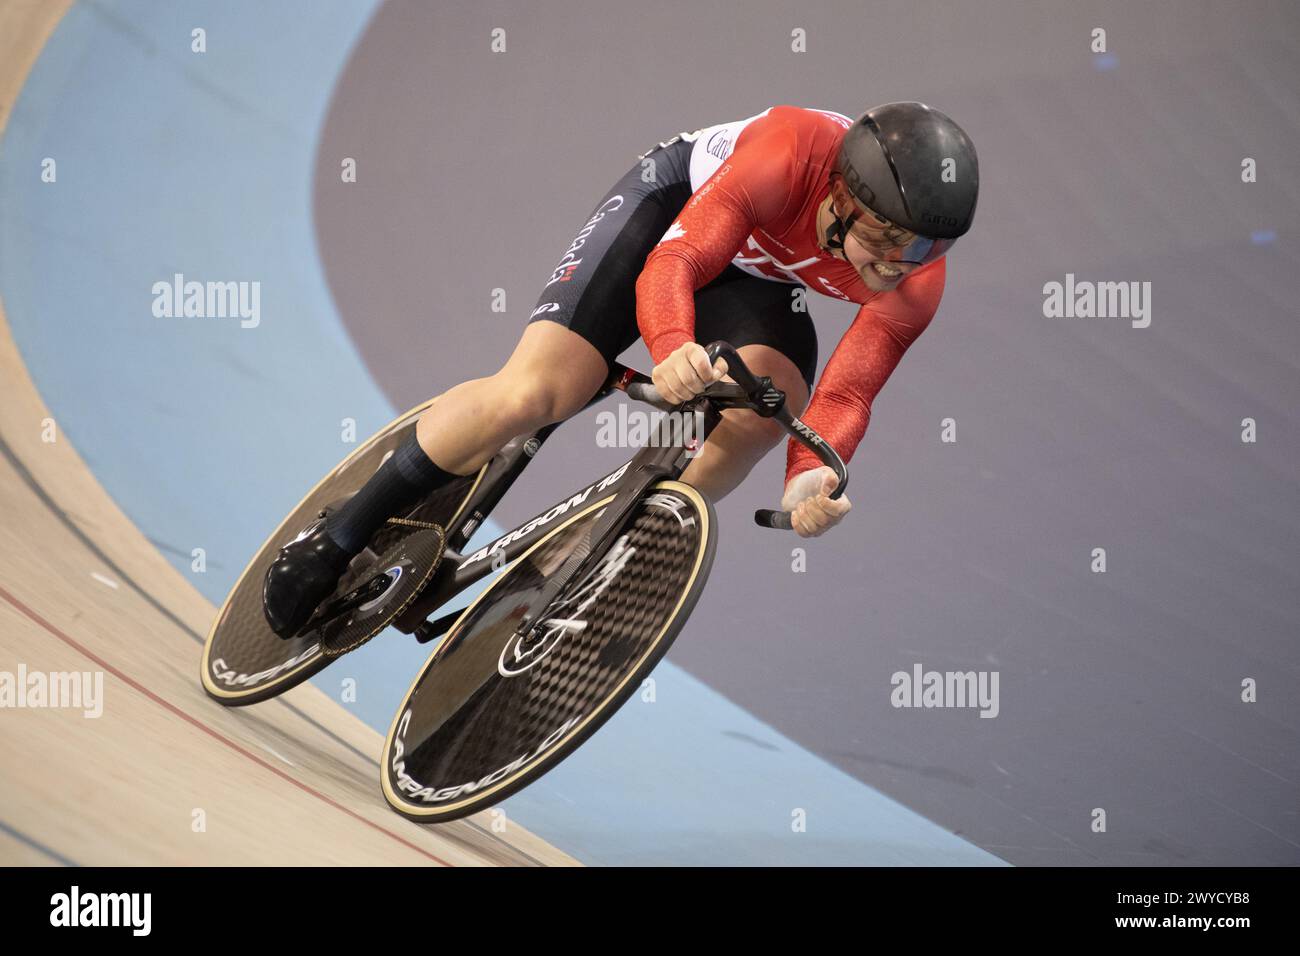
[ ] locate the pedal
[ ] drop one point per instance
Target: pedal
(426, 632)
(434, 628)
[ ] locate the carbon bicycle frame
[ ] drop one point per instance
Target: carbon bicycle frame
(664, 457)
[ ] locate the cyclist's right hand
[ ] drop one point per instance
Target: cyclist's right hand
(686, 373)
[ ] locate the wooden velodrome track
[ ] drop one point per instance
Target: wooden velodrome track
(290, 781)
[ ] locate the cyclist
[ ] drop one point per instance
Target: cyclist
(712, 235)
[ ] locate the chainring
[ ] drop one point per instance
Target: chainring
(407, 567)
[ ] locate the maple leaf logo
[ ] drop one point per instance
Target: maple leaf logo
(675, 231)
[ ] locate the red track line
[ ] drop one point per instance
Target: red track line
(72, 642)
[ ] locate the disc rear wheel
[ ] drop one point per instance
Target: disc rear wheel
(244, 661)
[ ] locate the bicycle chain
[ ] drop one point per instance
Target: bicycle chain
(402, 521)
(414, 524)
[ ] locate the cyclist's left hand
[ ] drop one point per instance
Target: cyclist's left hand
(807, 498)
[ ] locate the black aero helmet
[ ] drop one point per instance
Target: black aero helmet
(915, 167)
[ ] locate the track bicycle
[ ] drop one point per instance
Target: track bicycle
(589, 596)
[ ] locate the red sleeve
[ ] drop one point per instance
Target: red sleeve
(866, 356)
(751, 188)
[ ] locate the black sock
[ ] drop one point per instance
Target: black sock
(400, 482)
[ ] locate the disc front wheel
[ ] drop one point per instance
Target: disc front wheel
(496, 705)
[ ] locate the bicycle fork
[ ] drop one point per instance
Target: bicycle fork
(664, 459)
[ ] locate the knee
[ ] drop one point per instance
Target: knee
(526, 402)
(766, 432)
(756, 433)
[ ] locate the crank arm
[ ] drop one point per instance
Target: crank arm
(341, 605)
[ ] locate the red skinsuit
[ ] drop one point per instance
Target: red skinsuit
(760, 208)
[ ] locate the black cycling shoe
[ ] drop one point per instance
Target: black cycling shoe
(306, 572)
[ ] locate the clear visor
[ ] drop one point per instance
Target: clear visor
(873, 238)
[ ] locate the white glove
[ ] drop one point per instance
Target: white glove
(807, 499)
